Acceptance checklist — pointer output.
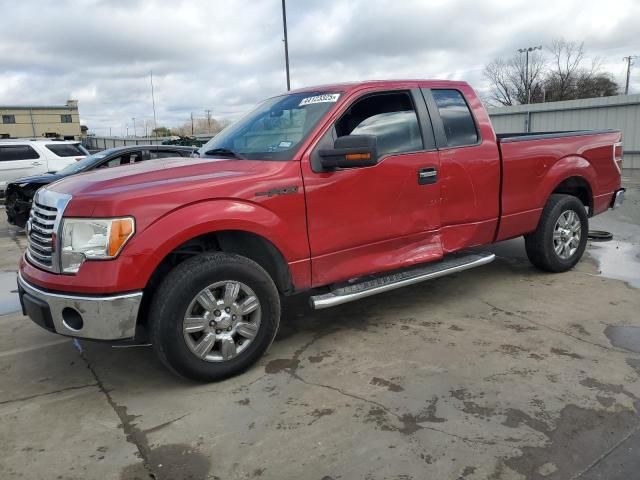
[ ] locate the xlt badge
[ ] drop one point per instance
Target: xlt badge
(278, 191)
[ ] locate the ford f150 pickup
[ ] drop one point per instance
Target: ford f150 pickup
(344, 190)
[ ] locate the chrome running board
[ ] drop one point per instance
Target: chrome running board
(371, 285)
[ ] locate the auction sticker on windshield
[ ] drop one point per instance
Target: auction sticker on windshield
(326, 98)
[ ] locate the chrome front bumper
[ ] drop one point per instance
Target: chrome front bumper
(111, 317)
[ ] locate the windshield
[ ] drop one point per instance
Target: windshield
(86, 162)
(274, 130)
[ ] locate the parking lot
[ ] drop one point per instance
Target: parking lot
(501, 372)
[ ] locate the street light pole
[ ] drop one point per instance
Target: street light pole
(208, 112)
(135, 133)
(526, 74)
(629, 61)
(286, 43)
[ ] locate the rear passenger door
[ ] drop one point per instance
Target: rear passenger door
(19, 161)
(469, 167)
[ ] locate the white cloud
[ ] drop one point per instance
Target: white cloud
(227, 55)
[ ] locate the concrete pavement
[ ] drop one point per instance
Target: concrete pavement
(501, 372)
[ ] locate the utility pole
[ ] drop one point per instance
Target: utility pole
(135, 133)
(629, 60)
(526, 74)
(286, 43)
(153, 103)
(208, 112)
(192, 123)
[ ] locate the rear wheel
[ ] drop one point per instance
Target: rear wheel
(214, 316)
(561, 237)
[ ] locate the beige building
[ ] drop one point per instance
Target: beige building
(56, 121)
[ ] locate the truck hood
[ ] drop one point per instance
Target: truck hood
(147, 175)
(161, 185)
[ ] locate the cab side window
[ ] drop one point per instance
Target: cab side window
(459, 127)
(116, 161)
(391, 117)
(153, 154)
(17, 152)
(124, 159)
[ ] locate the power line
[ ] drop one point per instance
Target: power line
(629, 59)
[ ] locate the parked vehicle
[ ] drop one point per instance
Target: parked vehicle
(349, 190)
(20, 192)
(190, 141)
(19, 158)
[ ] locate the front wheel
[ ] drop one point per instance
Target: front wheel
(214, 316)
(561, 237)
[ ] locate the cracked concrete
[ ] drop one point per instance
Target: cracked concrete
(497, 373)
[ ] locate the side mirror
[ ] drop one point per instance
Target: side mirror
(350, 151)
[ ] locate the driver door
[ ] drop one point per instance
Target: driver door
(370, 219)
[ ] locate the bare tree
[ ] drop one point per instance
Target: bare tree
(565, 68)
(510, 81)
(563, 77)
(201, 126)
(502, 92)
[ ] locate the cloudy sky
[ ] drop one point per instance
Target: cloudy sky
(225, 55)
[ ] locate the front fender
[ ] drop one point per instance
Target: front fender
(149, 247)
(138, 260)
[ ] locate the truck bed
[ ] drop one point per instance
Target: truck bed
(536, 164)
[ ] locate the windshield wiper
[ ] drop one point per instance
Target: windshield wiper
(224, 152)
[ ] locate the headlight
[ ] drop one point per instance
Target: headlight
(93, 239)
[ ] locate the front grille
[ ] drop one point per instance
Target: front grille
(46, 212)
(43, 219)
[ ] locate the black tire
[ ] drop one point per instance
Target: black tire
(540, 243)
(174, 296)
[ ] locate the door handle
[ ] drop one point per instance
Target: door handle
(36, 163)
(427, 175)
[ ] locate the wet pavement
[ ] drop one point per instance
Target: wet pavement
(624, 336)
(9, 302)
(501, 372)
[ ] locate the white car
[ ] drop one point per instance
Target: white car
(21, 158)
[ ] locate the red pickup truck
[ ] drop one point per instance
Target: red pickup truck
(345, 190)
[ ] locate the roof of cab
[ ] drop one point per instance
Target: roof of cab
(351, 86)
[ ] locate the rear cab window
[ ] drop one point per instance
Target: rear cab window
(457, 119)
(67, 149)
(17, 152)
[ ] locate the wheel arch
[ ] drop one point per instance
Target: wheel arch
(577, 186)
(240, 242)
(571, 175)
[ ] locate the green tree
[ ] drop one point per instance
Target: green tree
(162, 132)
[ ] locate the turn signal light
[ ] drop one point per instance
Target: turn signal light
(358, 156)
(121, 230)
